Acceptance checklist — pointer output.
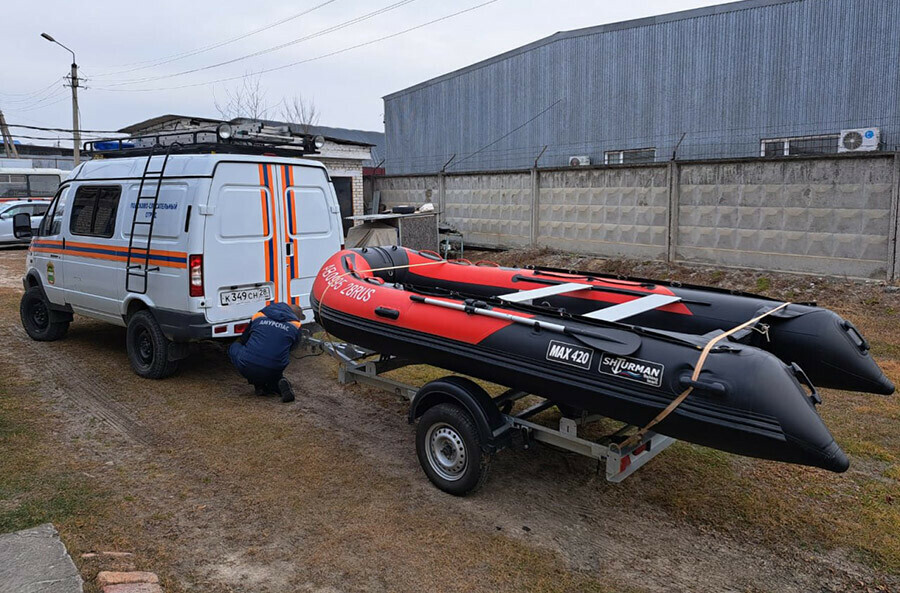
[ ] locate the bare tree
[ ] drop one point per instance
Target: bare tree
(247, 99)
(301, 112)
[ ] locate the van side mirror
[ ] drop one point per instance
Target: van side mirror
(22, 226)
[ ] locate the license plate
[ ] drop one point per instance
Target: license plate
(246, 295)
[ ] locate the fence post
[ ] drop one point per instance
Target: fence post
(893, 267)
(535, 205)
(674, 191)
(442, 197)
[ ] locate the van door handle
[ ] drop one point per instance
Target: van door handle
(289, 249)
(54, 255)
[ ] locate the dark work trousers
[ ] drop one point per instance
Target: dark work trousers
(256, 375)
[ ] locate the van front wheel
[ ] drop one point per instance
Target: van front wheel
(148, 347)
(37, 318)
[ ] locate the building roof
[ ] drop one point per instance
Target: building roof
(728, 7)
(161, 119)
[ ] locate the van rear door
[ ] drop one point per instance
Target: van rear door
(313, 228)
(242, 250)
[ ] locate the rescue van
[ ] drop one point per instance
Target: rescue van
(178, 247)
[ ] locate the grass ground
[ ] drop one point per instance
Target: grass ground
(217, 490)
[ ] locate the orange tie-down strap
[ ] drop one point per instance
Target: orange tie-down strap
(636, 437)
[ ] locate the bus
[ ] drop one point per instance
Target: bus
(24, 183)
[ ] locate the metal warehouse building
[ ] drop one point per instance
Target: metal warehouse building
(751, 78)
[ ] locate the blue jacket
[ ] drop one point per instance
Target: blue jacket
(269, 337)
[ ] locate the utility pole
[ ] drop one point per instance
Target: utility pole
(9, 147)
(73, 83)
(76, 128)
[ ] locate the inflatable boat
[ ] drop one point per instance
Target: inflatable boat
(627, 349)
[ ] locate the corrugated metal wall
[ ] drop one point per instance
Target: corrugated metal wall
(725, 77)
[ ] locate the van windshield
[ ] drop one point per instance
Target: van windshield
(37, 185)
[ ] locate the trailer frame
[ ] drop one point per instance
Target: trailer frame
(358, 365)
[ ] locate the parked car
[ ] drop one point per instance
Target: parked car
(34, 208)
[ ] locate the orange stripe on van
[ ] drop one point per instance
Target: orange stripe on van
(134, 250)
(289, 263)
(265, 217)
(275, 243)
(296, 231)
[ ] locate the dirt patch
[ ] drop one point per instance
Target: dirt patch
(218, 490)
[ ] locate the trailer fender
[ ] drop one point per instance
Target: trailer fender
(492, 426)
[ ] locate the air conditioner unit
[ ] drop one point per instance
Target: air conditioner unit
(859, 140)
(579, 161)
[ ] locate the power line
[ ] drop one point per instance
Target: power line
(206, 48)
(44, 129)
(513, 131)
(38, 96)
(64, 138)
(61, 97)
(297, 63)
(274, 48)
(32, 93)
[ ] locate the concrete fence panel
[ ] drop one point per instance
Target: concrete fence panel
(413, 190)
(491, 210)
(835, 215)
(611, 212)
(822, 216)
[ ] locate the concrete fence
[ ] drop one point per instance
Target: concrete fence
(834, 215)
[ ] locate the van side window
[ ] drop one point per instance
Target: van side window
(94, 210)
(44, 229)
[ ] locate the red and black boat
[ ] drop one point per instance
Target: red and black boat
(623, 348)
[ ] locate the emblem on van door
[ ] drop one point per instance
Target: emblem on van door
(51, 275)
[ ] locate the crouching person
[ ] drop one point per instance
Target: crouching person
(264, 349)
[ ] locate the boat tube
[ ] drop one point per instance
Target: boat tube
(624, 349)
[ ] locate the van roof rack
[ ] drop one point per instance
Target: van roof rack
(250, 138)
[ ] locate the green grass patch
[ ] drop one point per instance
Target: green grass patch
(763, 284)
(34, 488)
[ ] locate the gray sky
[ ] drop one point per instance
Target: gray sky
(110, 37)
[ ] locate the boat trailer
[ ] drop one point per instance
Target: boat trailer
(365, 367)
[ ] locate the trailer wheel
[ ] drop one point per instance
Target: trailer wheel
(148, 348)
(37, 318)
(449, 450)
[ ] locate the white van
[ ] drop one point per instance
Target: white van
(230, 234)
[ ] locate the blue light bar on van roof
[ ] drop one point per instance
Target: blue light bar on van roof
(112, 145)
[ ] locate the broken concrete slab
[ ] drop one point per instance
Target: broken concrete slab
(36, 561)
(133, 588)
(107, 577)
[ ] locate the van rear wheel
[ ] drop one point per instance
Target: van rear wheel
(148, 348)
(37, 318)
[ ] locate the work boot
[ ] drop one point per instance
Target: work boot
(285, 389)
(259, 390)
